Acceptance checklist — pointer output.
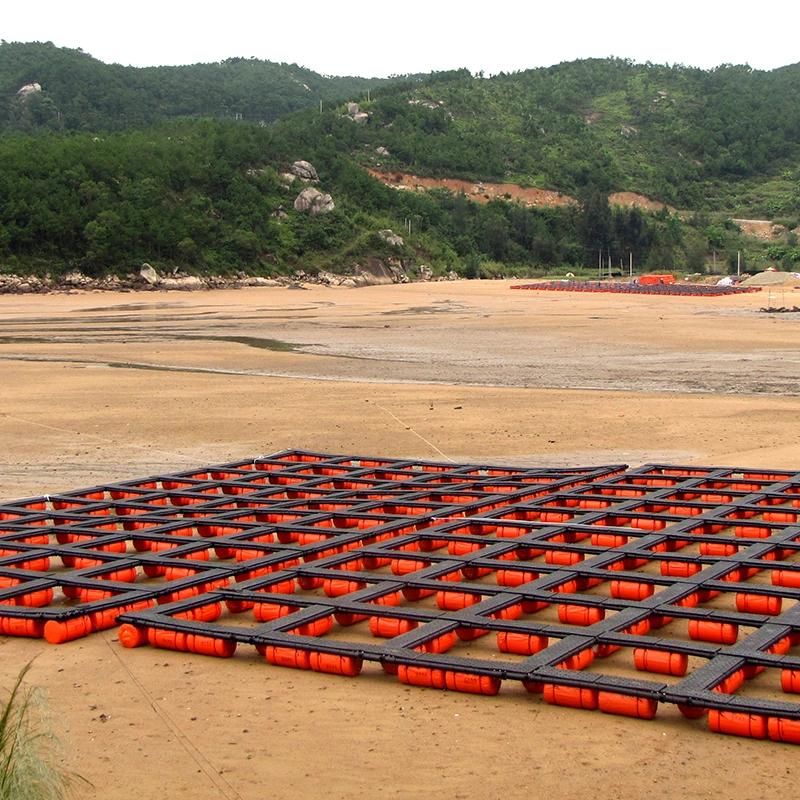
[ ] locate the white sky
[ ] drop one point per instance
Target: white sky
(353, 37)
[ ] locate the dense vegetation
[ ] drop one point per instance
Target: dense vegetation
(110, 166)
(81, 93)
(685, 136)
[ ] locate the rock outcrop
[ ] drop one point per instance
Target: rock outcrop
(355, 113)
(305, 171)
(372, 272)
(28, 89)
(391, 238)
(257, 281)
(313, 201)
(149, 275)
(186, 283)
(77, 279)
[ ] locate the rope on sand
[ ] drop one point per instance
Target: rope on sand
(418, 435)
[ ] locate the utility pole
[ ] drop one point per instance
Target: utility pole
(630, 264)
(599, 264)
(738, 263)
(320, 106)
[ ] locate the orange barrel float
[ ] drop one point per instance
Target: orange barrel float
(631, 590)
(570, 696)
(733, 723)
(758, 603)
(132, 635)
(318, 627)
(286, 656)
(731, 683)
(710, 631)
(563, 558)
(38, 598)
(333, 664)
(471, 683)
(19, 626)
(427, 677)
(578, 661)
(439, 644)
(60, 631)
(191, 643)
(680, 569)
(627, 705)
(781, 729)
(455, 601)
(389, 627)
(469, 634)
(570, 614)
(790, 680)
(660, 661)
(523, 644)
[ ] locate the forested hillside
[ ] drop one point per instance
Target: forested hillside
(104, 167)
(80, 93)
(685, 136)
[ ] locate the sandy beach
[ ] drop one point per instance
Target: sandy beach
(101, 386)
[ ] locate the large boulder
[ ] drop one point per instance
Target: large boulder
(391, 238)
(313, 201)
(375, 272)
(258, 281)
(28, 89)
(304, 171)
(77, 279)
(328, 278)
(149, 275)
(185, 283)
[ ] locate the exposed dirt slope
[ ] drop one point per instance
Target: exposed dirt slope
(760, 228)
(483, 192)
(633, 200)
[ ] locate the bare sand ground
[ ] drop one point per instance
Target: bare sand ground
(98, 387)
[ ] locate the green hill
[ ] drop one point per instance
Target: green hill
(109, 166)
(80, 93)
(688, 137)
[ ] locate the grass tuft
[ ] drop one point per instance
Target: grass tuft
(30, 754)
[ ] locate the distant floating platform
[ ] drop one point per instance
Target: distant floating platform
(672, 289)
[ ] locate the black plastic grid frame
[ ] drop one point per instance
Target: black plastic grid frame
(600, 588)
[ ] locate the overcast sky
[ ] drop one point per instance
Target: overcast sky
(352, 37)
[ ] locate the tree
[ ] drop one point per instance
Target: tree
(595, 223)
